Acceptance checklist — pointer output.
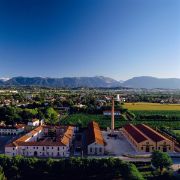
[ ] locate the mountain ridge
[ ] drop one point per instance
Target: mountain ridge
(147, 82)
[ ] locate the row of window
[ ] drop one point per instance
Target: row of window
(96, 150)
(47, 147)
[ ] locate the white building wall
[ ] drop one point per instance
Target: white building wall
(39, 151)
(35, 123)
(11, 131)
(95, 149)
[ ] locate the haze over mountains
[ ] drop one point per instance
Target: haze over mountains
(97, 81)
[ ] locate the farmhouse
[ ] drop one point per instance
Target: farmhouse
(43, 141)
(108, 113)
(34, 122)
(95, 140)
(12, 130)
(146, 139)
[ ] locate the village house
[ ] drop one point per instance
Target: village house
(108, 113)
(34, 122)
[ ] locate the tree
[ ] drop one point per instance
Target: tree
(51, 115)
(2, 176)
(161, 160)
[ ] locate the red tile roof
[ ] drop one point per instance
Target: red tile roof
(135, 133)
(150, 133)
(62, 139)
(94, 134)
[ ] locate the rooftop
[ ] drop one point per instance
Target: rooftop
(150, 133)
(62, 137)
(94, 134)
(135, 133)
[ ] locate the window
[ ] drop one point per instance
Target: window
(43, 148)
(34, 147)
(13, 148)
(90, 149)
(58, 148)
(142, 148)
(52, 147)
(100, 150)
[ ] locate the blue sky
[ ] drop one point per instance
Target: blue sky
(115, 38)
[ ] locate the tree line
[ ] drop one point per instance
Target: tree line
(76, 168)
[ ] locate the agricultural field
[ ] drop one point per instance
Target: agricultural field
(153, 114)
(177, 132)
(105, 122)
(152, 107)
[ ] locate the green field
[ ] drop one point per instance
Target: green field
(153, 114)
(105, 122)
(152, 107)
(176, 132)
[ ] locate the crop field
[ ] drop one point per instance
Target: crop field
(176, 132)
(105, 122)
(152, 107)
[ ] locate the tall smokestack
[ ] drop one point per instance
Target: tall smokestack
(112, 116)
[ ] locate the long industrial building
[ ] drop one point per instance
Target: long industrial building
(43, 141)
(146, 139)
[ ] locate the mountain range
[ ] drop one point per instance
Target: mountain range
(97, 81)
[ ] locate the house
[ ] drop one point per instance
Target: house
(146, 139)
(34, 122)
(95, 140)
(12, 130)
(43, 141)
(108, 113)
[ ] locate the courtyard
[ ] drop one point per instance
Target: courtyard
(118, 145)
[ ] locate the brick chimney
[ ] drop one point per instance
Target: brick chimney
(112, 116)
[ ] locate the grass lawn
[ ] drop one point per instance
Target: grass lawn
(152, 106)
